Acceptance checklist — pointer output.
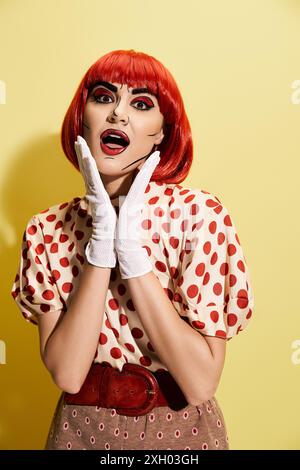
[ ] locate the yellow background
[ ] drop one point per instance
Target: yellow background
(235, 63)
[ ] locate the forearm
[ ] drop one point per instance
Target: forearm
(71, 347)
(182, 349)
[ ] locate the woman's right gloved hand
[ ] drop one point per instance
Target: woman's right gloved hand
(100, 249)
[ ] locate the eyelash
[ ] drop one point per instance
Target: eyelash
(99, 95)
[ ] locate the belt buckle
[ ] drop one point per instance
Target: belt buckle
(152, 390)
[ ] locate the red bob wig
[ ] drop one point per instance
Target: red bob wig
(137, 69)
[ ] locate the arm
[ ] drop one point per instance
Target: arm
(195, 361)
(68, 342)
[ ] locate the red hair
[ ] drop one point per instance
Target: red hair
(138, 69)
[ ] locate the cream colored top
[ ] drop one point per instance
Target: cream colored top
(195, 252)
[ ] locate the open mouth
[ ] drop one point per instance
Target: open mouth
(113, 141)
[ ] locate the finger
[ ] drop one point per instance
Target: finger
(91, 171)
(140, 182)
(80, 163)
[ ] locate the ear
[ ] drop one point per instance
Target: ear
(159, 137)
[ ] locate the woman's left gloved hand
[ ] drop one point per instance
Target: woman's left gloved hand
(133, 258)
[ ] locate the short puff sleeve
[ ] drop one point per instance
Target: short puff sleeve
(34, 289)
(213, 293)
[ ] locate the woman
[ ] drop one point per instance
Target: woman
(137, 286)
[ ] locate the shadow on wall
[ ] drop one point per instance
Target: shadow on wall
(39, 176)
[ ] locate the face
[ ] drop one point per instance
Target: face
(133, 114)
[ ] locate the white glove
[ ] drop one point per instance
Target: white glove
(100, 248)
(133, 258)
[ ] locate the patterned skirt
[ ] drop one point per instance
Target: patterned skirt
(93, 428)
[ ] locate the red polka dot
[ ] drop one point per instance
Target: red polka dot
(192, 291)
(212, 227)
(242, 302)
(79, 234)
(207, 247)
(30, 289)
(189, 198)
(214, 315)
(40, 277)
(153, 200)
(231, 249)
(184, 225)
(221, 333)
(121, 289)
(137, 333)
(102, 339)
(67, 287)
(115, 332)
(199, 325)
(206, 279)
(194, 209)
(114, 304)
(174, 242)
(224, 269)
(51, 217)
(156, 238)
(231, 319)
(48, 238)
(214, 258)
(160, 266)
(115, 353)
(130, 306)
(175, 213)
(55, 274)
(80, 258)
(40, 249)
(145, 361)
(241, 266)
(221, 238)
(217, 288)
(54, 248)
(150, 347)
(232, 280)
(123, 319)
(211, 203)
(45, 308)
(174, 272)
(168, 191)
(130, 347)
(48, 294)
(227, 220)
(200, 268)
(64, 262)
(159, 212)
(63, 238)
(146, 224)
(32, 229)
(75, 271)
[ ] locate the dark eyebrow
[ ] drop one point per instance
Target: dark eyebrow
(110, 86)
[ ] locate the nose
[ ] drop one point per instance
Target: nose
(118, 114)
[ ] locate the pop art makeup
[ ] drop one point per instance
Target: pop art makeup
(121, 126)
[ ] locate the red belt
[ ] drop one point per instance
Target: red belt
(134, 391)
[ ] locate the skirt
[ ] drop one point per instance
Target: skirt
(75, 427)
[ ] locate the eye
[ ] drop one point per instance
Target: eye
(145, 104)
(98, 97)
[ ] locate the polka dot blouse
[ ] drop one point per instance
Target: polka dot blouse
(195, 252)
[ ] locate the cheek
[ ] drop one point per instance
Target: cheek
(93, 117)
